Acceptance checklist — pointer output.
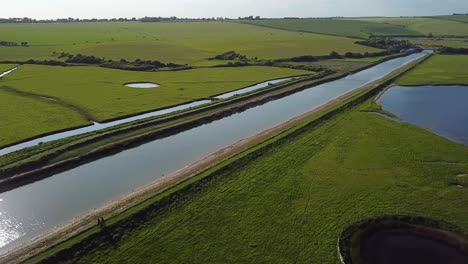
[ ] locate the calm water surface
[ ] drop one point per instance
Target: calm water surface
(441, 109)
(34, 209)
(387, 247)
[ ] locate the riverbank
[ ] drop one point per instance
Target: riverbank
(304, 126)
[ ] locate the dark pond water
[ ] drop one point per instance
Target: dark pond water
(441, 109)
(389, 247)
(34, 209)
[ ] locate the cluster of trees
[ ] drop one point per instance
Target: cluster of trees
(336, 55)
(230, 55)
(449, 50)
(250, 18)
(13, 44)
(136, 65)
(386, 43)
(173, 18)
(27, 20)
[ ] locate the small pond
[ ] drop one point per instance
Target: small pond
(405, 247)
(142, 85)
(441, 109)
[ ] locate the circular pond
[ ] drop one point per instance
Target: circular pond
(403, 240)
(142, 85)
(405, 247)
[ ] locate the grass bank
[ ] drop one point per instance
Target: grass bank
(439, 69)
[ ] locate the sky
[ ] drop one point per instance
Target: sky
(43, 9)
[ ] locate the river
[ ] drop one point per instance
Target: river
(37, 208)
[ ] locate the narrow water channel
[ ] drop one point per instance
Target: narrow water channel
(34, 209)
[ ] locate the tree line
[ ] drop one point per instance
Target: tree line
(27, 20)
(13, 44)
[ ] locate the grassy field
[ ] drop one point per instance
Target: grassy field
(348, 28)
(25, 117)
(425, 26)
(439, 42)
(5, 67)
(100, 92)
(190, 43)
(289, 204)
(459, 18)
(440, 69)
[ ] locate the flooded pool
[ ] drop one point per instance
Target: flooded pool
(142, 85)
(405, 247)
(441, 109)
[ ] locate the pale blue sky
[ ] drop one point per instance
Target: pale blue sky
(232, 8)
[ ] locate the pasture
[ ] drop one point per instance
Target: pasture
(440, 69)
(24, 117)
(289, 204)
(183, 43)
(100, 93)
(425, 26)
(347, 28)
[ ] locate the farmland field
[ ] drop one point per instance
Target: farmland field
(440, 69)
(440, 42)
(347, 28)
(25, 117)
(459, 18)
(5, 67)
(425, 26)
(183, 43)
(291, 203)
(101, 94)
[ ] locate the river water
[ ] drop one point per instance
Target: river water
(34, 209)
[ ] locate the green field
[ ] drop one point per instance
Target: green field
(440, 69)
(348, 28)
(459, 18)
(425, 26)
(289, 204)
(6, 67)
(191, 43)
(25, 117)
(439, 42)
(100, 93)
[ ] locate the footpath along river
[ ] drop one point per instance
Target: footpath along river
(35, 209)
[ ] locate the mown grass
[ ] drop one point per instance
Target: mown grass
(290, 203)
(101, 94)
(440, 69)
(347, 28)
(425, 26)
(191, 43)
(24, 117)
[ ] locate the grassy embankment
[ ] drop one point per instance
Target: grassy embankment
(289, 200)
(183, 43)
(100, 93)
(440, 69)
